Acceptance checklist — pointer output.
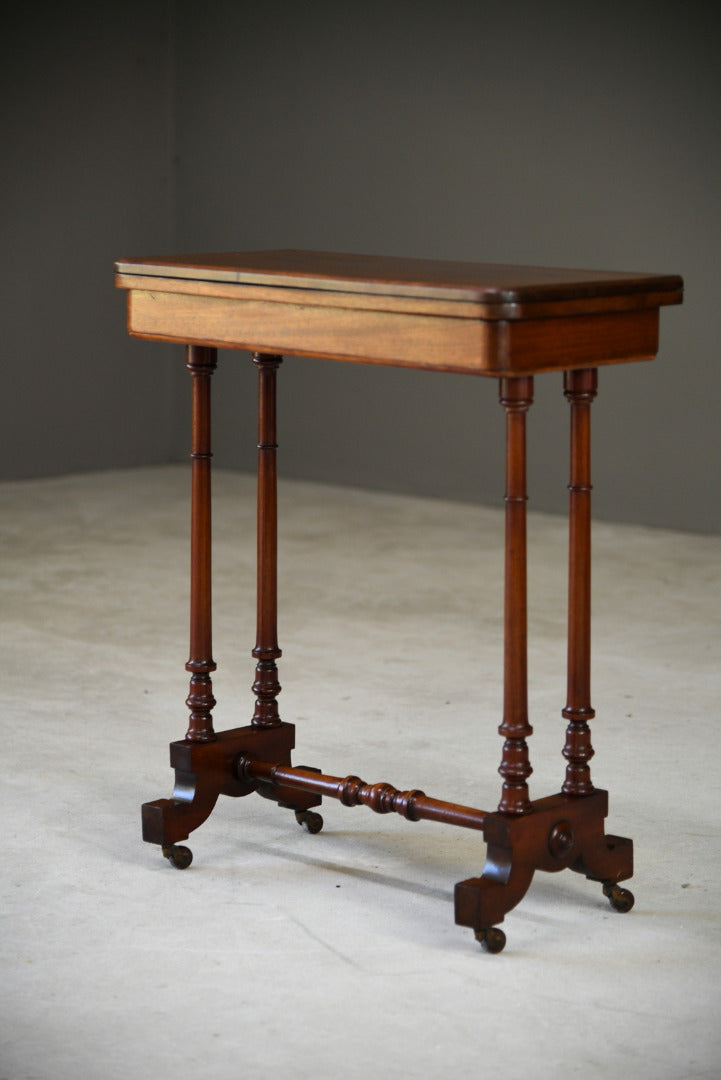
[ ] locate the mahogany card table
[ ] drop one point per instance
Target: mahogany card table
(506, 322)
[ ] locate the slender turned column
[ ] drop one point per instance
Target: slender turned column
(580, 390)
(266, 686)
(201, 363)
(516, 399)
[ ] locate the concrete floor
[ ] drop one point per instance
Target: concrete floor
(281, 953)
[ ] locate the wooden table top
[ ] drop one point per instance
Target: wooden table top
(485, 318)
(384, 275)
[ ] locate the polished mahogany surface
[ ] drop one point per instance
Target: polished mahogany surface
(479, 318)
(486, 283)
(508, 321)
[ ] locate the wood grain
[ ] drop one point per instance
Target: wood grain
(490, 283)
(407, 340)
(369, 301)
(508, 322)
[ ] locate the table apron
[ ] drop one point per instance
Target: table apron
(440, 343)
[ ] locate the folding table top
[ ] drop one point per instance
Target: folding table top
(462, 316)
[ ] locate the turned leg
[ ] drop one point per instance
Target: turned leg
(516, 399)
(580, 390)
(481, 902)
(605, 858)
(564, 831)
(266, 686)
(201, 363)
(166, 820)
(205, 762)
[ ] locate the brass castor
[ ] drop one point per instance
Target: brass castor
(310, 821)
(178, 856)
(491, 940)
(619, 899)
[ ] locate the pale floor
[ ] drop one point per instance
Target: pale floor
(279, 953)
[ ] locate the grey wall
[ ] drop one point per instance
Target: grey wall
(86, 175)
(563, 133)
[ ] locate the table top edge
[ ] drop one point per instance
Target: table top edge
(487, 283)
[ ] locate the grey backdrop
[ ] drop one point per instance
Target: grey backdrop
(571, 134)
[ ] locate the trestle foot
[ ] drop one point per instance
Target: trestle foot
(204, 771)
(560, 833)
(178, 856)
(491, 940)
(310, 821)
(620, 899)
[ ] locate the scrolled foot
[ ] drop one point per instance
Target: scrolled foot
(178, 856)
(619, 899)
(491, 940)
(309, 820)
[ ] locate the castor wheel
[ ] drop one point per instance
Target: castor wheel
(491, 940)
(178, 856)
(310, 821)
(619, 899)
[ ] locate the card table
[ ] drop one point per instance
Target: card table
(507, 322)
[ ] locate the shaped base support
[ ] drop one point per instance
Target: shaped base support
(560, 832)
(203, 771)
